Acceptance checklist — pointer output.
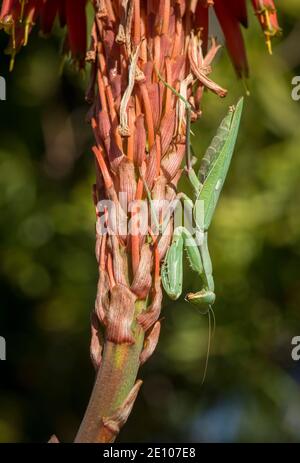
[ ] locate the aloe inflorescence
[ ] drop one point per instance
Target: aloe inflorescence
(138, 52)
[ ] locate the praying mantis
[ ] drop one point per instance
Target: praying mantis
(207, 186)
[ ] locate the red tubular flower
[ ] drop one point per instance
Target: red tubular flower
(266, 13)
(232, 13)
(77, 29)
(239, 10)
(48, 15)
(17, 18)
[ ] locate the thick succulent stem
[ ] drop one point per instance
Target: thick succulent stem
(114, 381)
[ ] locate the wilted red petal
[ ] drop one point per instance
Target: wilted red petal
(238, 9)
(49, 11)
(172, 161)
(150, 343)
(140, 140)
(233, 35)
(201, 19)
(77, 28)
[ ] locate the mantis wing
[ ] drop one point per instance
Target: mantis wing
(215, 179)
(215, 147)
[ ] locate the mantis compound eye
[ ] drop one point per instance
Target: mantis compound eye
(201, 298)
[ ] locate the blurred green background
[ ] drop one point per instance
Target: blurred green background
(48, 272)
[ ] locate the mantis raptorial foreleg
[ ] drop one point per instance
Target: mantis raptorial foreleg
(172, 275)
(200, 262)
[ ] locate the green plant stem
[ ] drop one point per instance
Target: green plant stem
(115, 378)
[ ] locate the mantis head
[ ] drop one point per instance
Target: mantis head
(201, 298)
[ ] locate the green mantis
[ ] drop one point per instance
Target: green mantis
(207, 186)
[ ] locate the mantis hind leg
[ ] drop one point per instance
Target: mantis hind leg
(172, 269)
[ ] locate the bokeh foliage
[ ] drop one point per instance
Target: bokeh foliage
(48, 271)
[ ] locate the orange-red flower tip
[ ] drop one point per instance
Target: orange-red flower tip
(266, 13)
(233, 13)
